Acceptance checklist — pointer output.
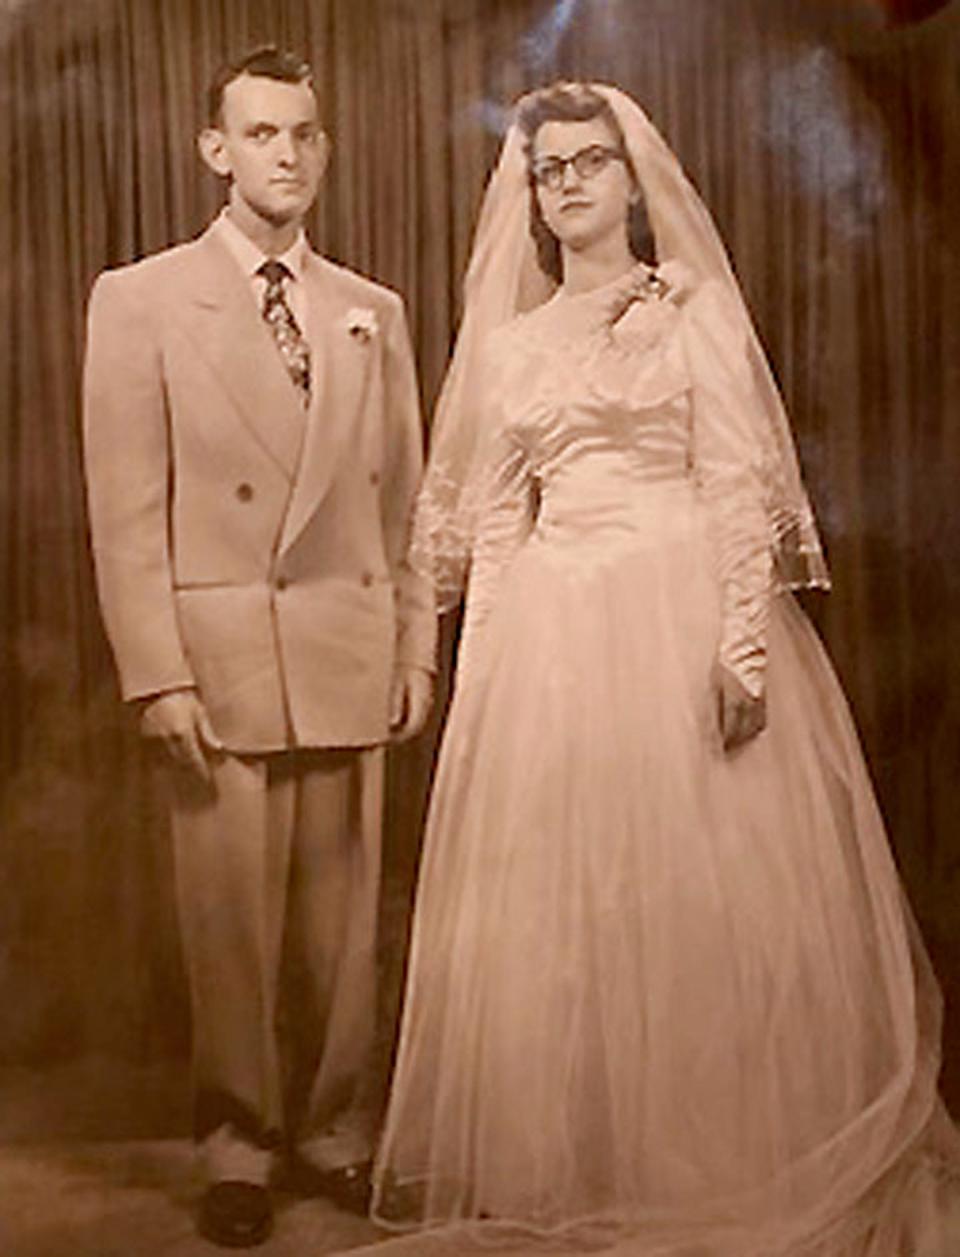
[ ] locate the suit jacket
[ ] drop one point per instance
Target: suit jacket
(242, 545)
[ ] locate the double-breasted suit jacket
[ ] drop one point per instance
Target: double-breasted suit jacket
(243, 545)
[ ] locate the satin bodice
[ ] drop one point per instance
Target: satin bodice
(596, 433)
(605, 421)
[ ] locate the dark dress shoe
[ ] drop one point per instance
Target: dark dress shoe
(347, 1186)
(235, 1214)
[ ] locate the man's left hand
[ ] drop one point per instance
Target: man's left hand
(410, 702)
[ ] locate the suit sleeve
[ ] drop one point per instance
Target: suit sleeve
(127, 460)
(416, 611)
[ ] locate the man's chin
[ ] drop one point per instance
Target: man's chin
(282, 211)
(284, 216)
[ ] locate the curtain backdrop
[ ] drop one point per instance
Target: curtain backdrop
(825, 141)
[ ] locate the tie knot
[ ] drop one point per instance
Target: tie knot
(274, 271)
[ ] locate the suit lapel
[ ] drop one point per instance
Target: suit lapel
(340, 372)
(225, 327)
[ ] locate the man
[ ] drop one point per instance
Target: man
(253, 445)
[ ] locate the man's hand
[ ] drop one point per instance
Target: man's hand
(739, 715)
(178, 720)
(410, 702)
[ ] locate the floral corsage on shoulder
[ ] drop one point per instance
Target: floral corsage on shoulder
(641, 307)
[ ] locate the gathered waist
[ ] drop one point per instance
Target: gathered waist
(616, 498)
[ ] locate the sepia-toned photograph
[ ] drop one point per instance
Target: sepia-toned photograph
(480, 650)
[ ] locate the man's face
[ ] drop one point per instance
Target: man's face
(270, 143)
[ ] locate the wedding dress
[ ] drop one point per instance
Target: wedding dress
(661, 995)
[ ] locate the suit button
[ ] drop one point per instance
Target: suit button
(374, 477)
(244, 492)
(281, 583)
(366, 580)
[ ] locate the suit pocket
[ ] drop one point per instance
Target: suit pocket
(230, 641)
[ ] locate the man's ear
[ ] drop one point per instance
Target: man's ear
(212, 148)
(326, 147)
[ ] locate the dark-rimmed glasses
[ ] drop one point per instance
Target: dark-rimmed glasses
(587, 164)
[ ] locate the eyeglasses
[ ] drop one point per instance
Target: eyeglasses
(587, 164)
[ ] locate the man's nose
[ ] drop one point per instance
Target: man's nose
(286, 148)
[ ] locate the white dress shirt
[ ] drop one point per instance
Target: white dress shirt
(250, 258)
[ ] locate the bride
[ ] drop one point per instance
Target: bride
(664, 991)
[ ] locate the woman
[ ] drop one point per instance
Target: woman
(664, 991)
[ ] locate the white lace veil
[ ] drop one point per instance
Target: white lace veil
(504, 279)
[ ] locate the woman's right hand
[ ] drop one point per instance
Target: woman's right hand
(740, 714)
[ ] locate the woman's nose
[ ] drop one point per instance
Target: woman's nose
(569, 177)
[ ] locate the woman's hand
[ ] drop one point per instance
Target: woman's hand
(740, 716)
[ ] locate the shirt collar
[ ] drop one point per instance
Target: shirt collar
(250, 257)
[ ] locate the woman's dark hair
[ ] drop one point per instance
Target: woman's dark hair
(576, 102)
(267, 62)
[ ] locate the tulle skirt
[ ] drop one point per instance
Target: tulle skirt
(660, 996)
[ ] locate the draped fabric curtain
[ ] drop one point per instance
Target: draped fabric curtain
(821, 137)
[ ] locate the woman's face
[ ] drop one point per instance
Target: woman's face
(584, 205)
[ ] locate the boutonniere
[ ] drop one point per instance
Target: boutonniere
(362, 324)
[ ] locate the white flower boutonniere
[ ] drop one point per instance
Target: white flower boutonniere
(362, 324)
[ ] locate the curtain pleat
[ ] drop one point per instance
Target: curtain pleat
(824, 141)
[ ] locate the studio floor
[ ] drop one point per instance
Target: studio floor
(93, 1163)
(135, 1199)
(95, 1159)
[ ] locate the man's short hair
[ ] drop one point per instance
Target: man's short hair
(268, 62)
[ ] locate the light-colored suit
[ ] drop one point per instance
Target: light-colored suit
(241, 545)
(256, 551)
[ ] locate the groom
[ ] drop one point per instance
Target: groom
(253, 445)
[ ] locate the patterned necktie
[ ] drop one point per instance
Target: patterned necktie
(291, 342)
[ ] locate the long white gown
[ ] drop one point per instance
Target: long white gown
(660, 995)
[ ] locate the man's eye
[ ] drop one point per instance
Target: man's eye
(262, 133)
